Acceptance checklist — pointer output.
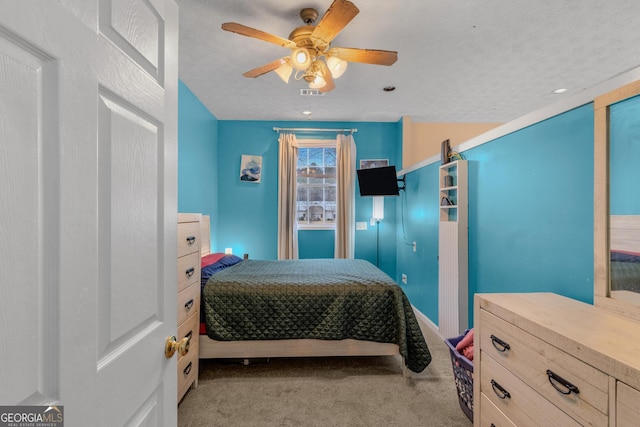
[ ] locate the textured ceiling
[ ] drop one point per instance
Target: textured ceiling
(458, 61)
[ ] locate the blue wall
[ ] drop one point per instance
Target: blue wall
(624, 154)
(197, 154)
(530, 215)
(248, 211)
(530, 203)
(418, 213)
(316, 244)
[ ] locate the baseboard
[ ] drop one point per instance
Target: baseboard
(426, 321)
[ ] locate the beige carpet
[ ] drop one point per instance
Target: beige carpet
(358, 391)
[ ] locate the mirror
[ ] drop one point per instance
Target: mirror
(617, 201)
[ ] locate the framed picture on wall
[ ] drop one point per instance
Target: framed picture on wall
(251, 168)
(373, 163)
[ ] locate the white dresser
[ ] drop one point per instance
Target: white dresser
(188, 298)
(541, 359)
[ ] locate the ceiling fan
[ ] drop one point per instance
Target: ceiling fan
(309, 44)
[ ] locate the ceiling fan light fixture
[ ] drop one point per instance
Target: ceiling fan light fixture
(284, 70)
(318, 82)
(337, 66)
(309, 43)
(300, 58)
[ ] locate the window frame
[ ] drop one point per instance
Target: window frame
(316, 143)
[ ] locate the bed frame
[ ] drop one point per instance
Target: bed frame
(213, 349)
(625, 233)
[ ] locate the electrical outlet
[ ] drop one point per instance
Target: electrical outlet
(414, 247)
(404, 278)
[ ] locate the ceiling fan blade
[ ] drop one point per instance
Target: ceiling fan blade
(339, 14)
(256, 72)
(367, 56)
(257, 34)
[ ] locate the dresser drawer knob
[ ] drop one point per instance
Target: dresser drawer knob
(499, 345)
(499, 390)
(188, 304)
(191, 240)
(187, 369)
(560, 384)
(190, 272)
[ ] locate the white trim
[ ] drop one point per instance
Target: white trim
(562, 106)
(424, 319)
(321, 143)
(316, 227)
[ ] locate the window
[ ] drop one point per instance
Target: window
(316, 184)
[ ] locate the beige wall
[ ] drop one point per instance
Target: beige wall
(422, 140)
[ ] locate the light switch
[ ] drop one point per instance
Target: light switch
(361, 225)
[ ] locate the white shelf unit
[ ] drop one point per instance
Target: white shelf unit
(453, 276)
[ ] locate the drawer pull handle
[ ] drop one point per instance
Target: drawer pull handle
(190, 272)
(191, 240)
(557, 381)
(499, 345)
(189, 304)
(187, 369)
(499, 390)
(493, 425)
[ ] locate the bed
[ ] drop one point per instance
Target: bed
(305, 308)
(625, 255)
(625, 271)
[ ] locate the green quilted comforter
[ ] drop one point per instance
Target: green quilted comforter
(329, 299)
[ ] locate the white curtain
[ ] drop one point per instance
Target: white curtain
(287, 224)
(346, 194)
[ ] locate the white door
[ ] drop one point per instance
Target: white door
(88, 159)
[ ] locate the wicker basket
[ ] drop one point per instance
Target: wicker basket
(463, 375)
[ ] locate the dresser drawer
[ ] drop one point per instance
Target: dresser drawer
(188, 238)
(188, 364)
(491, 416)
(188, 302)
(188, 270)
(627, 405)
(187, 371)
(519, 402)
(539, 364)
(189, 329)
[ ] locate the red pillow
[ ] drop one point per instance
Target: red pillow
(210, 259)
(625, 252)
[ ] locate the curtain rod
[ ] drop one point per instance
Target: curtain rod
(354, 130)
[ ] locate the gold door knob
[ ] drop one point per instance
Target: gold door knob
(171, 346)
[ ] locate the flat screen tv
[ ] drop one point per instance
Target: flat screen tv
(378, 181)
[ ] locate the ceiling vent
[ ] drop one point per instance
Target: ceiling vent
(311, 92)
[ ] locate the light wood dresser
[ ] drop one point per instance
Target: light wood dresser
(189, 241)
(541, 359)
